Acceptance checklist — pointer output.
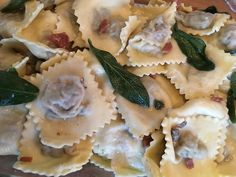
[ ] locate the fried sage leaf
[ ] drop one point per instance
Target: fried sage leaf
(231, 98)
(14, 6)
(194, 48)
(125, 83)
(15, 90)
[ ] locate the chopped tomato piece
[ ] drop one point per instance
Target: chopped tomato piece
(147, 140)
(216, 99)
(26, 159)
(59, 40)
(189, 163)
(167, 48)
(103, 27)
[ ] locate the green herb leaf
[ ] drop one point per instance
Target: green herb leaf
(232, 52)
(14, 6)
(158, 104)
(233, 84)
(12, 70)
(194, 48)
(211, 9)
(15, 90)
(125, 83)
(231, 98)
(231, 106)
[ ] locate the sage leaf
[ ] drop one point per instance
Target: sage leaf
(125, 83)
(14, 6)
(12, 70)
(231, 98)
(194, 48)
(15, 90)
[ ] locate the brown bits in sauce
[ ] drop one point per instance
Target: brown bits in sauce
(189, 163)
(216, 99)
(167, 48)
(103, 27)
(147, 140)
(26, 159)
(59, 40)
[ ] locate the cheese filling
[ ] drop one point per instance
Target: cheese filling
(197, 19)
(228, 36)
(63, 97)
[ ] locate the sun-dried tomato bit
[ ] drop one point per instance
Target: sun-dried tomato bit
(103, 26)
(189, 163)
(59, 40)
(26, 159)
(216, 98)
(167, 48)
(147, 140)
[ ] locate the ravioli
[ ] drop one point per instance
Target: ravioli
(153, 154)
(78, 117)
(218, 21)
(142, 121)
(209, 136)
(67, 161)
(36, 40)
(103, 14)
(11, 23)
(12, 119)
(187, 79)
(84, 118)
(108, 146)
(226, 167)
(67, 23)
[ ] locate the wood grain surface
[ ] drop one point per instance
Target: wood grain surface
(89, 170)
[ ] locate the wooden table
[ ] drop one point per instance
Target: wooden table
(6, 162)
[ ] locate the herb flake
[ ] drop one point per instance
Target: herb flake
(14, 6)
(231, 98)
(158, 105)
(125, 83)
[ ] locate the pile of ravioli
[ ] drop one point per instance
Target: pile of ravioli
(78, 117)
